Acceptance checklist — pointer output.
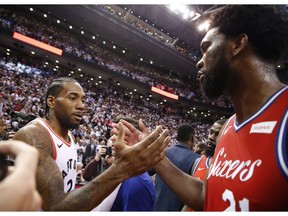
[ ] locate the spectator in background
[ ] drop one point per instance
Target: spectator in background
(90, 150)
(201, 165)
(6, 132)
(97, 163)
(182, 156)
(199, 148)
(3, 126)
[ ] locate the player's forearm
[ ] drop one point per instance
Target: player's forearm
(92, 194)
(187, 188)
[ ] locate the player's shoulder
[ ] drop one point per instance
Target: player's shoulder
(30, 131)
(33, 126)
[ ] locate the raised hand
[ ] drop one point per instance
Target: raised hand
(143, 155)
(132, 134)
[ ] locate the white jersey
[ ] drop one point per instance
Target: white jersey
(65, 155)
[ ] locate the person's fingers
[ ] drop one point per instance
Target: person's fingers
(10, 170)
(129, 126)
(115, 131)
(150, 139)
(164, 147)
(26, 155)
(27, 158)
(142, 126)
(161, 143)
(157, 149)
(120, 136)
(36, 201)
(32, 201)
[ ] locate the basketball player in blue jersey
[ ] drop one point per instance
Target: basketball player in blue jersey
(249, 169)
(56, 171)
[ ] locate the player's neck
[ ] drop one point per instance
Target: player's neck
(248, 101)
(58, 129)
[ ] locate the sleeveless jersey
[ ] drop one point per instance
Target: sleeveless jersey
(65, 155)
(249, 170)
(200, 168)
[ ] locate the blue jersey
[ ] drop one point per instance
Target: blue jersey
(135, 194)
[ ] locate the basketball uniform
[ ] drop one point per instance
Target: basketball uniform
(65, 155)
(199, 170)
(201, 167)
(249, 170)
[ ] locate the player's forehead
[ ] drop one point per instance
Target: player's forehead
(72, 87)
(211, 35)
(216, 127)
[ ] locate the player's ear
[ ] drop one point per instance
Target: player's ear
(50, 101)
(240, 43)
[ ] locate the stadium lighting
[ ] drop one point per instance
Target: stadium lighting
(184, 12)
(203, 26)
(36, 43)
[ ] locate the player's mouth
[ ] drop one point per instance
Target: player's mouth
(200, 76)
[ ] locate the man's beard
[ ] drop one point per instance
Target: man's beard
(209, 152)
(214, 80)
(66, 122)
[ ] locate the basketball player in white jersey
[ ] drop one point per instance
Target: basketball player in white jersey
(56, 171)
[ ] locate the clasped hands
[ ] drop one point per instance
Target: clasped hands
(139, 150)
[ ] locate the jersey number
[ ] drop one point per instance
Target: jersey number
(243, 204)
(69, 184)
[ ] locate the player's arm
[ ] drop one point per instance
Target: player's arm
(189, 189)
(129, 161)
(50, 183)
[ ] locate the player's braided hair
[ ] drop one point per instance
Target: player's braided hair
(54, 89)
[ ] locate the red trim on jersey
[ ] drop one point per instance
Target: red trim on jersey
(65, 142)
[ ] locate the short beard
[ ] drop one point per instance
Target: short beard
(68, 124)
(209, 152)
(214, 81)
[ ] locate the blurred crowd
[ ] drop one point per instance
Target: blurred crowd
(95, 52)
(23, 88)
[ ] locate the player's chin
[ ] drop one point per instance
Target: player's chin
(74, 124)
(210, 147)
